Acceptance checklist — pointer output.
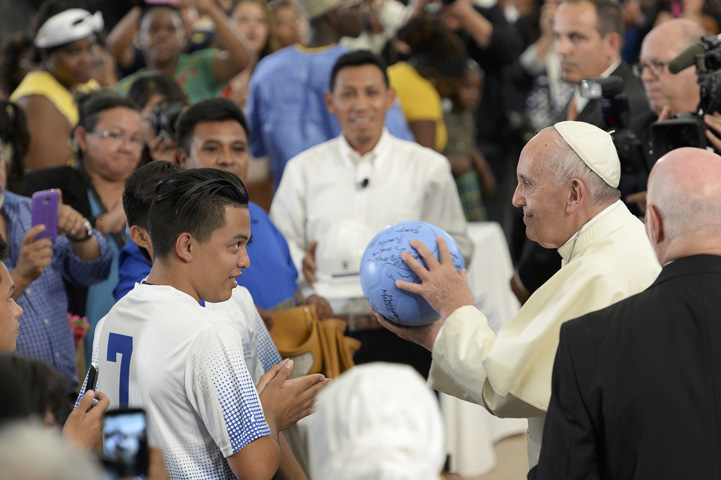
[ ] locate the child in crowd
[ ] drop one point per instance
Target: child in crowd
(473, 175)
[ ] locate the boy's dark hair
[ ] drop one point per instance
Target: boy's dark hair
(358, 58)
(192, 201)
(152, 83)
(140, 190)
(30, 387)
(210, 110)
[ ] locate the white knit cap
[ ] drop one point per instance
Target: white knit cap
(595, 147)
(68, 26)
(377, 421)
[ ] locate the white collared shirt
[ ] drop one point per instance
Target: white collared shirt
(327, 183)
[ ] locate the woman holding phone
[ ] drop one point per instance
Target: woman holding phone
(109, 142)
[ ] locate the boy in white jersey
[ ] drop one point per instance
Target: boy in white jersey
(160, 349)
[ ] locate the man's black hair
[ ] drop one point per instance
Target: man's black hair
(192, 201)
(210, 110)
(358, 58)
(609, 16)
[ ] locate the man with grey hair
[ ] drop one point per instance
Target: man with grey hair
(567, 179)
(668, 94)
(635, 390)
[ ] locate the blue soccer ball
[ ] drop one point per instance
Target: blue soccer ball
(382, 265)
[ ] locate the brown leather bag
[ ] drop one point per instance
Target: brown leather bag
(316, 346)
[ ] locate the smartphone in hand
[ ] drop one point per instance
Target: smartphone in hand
(92, 383)
(45, 211)
(125, 443)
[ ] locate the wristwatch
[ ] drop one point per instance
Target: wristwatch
(88, 232)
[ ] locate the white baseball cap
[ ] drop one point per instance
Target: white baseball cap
(68, 26)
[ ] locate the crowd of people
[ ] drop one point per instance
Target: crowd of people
(199, 150)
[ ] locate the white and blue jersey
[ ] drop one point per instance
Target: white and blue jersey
(260, 351)
(158, 349)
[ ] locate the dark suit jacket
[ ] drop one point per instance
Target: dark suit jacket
(637, 386)
(632, 87)
(641, 126)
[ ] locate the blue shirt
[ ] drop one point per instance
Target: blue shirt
(286, 107)
(270, 279)
(133, 267)
(44, 328)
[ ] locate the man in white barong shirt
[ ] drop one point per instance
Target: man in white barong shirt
(366, 173)
(567, 179)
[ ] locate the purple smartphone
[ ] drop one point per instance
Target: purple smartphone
(45, 211)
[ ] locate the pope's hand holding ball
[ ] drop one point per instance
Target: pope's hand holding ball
(411, 273)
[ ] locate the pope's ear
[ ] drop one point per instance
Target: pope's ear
(575, 195)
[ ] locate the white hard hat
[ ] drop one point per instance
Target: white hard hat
(338, 258)
(68, 26)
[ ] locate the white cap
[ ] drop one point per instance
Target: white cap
(68, 26)
(595, 147)
(377, 421)
(338, 258)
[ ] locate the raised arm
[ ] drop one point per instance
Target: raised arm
(120, 38)
(237, 53)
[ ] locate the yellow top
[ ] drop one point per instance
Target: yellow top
(420, 101)
(43, 83)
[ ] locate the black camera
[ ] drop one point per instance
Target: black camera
(164, 118)
(616, 116)
(688, 129)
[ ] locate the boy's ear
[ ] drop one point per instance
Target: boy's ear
(140, 236)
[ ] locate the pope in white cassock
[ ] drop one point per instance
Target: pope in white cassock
(568, 176)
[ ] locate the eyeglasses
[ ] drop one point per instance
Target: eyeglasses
(119, 137)
(657, 67)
